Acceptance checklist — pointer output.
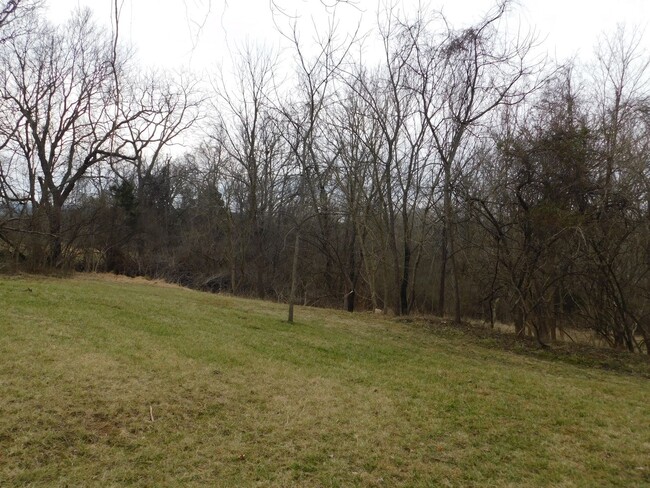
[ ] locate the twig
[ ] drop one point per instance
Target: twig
(151, 412)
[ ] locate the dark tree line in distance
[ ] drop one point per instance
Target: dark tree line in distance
(458, 175)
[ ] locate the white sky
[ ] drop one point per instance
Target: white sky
(197, 34)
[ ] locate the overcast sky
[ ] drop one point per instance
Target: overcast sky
(198, 34)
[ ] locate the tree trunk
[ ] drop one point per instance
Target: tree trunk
(450, 242)
(443, 271)
(404, 285)
(454, 274)
(520, 320)
(494, 302)
(351, 273)
(56, 244)
(352, 281)
(294, 276)
(370, 274)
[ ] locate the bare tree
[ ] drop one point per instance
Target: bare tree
(61, 96)
(304, 124)
(621, 95)
(247, 129)
(464, 75)
(15, 17)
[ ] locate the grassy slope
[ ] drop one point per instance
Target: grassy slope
(240, 398)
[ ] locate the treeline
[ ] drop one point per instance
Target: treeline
(458, 175)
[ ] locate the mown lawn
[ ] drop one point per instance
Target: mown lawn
(238, 397)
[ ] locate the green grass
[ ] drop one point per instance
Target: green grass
(241, 398)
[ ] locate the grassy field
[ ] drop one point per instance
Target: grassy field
(114, 382)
